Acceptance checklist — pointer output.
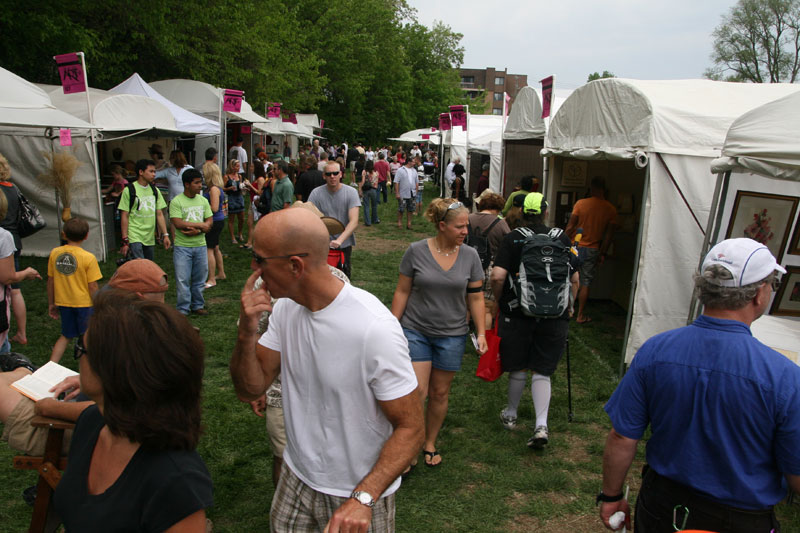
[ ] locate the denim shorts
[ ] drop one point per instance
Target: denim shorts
(74, 320)
(444, 353)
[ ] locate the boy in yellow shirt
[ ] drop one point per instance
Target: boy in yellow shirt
(72, 275)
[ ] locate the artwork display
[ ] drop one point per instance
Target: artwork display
(787, 300)
(766, 218)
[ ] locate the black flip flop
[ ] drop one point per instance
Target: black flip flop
(429, 456)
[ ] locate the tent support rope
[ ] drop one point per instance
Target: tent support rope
(685, 201)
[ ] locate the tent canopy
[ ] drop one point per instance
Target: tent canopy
(184, 120)
(615, 117)
(525, 119)
(202, 98)
(415, 136)
(765, 140)
(24, 104)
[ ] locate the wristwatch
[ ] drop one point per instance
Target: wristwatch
(605, 498)
(363, 497)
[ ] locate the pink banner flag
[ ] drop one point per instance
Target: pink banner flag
(444, 121)
(232, 100)
(458, 116)
(426, 136)
(274, 111)
(65, 135)
(71, 73)
(547, 95)
(290, 117)
(321, 123)
(246, 129)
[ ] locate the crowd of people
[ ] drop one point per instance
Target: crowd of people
(350, 404)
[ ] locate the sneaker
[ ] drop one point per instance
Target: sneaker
(509, 422)
(11, 361)
(539, 439)
(201, 312)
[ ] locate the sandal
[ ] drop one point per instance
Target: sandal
(429, 458)
(408, 471)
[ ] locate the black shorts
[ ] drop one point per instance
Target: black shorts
(212, 237)
(530, 343)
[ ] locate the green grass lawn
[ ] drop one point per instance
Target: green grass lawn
(489, 480)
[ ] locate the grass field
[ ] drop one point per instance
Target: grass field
(489, 480)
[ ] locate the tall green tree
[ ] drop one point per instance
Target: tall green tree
(758, 41)
(597, 76)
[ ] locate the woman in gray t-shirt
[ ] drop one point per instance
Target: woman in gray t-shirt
(438, 279)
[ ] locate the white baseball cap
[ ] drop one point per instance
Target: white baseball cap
(747, 260)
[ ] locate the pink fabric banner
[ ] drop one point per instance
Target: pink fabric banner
(547, 95)
(232, 100)
(274, 110)
(290, 117)
(444, 121)
(246, 129)
(321, 123)
(426, 136)
(65, 135)
(71, 73)
(458, 116)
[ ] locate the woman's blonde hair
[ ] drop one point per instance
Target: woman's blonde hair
(212, 174)
(231, 168)
(441, 209)
(5, 169)
(3, 204)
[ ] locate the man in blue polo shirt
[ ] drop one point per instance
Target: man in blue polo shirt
(722, 407)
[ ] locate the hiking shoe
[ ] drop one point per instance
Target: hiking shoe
(539, 439)
(200, 312)
(509, 422)
(12, 361)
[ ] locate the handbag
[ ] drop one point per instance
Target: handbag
(489, 366)
(30, 219)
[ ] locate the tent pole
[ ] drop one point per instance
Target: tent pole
(223, 153)
(635, 275)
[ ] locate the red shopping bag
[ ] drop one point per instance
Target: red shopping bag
(489, 367)
(336, 258)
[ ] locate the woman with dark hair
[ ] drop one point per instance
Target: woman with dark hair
(132, 464)
(254, 188)
(172, 174)
(439, 280)
(368, 185)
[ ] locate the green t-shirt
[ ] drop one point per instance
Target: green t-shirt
(195, 209)
(281, 194)
(142, 218)
(510, 201)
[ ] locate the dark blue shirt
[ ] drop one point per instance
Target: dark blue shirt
(723, 408)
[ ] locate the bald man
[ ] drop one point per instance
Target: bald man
(352, 409)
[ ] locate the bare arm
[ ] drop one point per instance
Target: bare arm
(62, 410)
(499, 275)
(123, 224)
(194, 523)
(213, 195)
(253, 367)
(9, 275)
(405, 414)
(572, 225)
(51, 299)
(161, 224)
(607, 236)
(352, 224)
(617, 459)
(401, 294)
(92, 288)
(478, 310)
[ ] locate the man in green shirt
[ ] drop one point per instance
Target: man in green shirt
(283, 193)
(525, 185)
(191, 215)
(138, 220)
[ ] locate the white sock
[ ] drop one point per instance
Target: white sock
(516, 384)
(540, 391)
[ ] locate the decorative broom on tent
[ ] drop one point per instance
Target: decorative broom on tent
(59, 176)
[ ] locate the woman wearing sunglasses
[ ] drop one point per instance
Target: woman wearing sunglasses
(132, 463)
(439, 280)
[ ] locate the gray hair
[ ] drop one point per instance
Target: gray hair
(715, 296)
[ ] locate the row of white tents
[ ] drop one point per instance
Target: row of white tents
(654, 143)
(31, 116)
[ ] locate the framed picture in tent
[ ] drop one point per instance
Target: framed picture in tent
(794, 245)
(766, 218)
(787, 301)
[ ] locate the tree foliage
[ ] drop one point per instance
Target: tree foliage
(758, 41)
(597, 76)
(368, 67)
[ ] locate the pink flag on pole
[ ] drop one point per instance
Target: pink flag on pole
(444, 121)
(71, 73)
(426, 136)
(458, 117)
(274, 110)
(322, 123)
(246, 129)
(232, 100)
(547, 95)
(65, 135)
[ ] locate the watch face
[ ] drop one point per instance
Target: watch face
(364, 498)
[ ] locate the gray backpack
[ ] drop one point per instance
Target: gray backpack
(542, 286)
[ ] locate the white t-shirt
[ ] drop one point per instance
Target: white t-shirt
(449, 174)
(237, 152)
(333, 373)
(370, 155)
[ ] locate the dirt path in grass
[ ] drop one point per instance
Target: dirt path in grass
(369, 238)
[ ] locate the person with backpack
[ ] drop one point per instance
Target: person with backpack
(536, 277)
(141, 211)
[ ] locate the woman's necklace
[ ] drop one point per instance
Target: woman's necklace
(446, 254)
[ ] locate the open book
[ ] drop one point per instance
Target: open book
(37, 386)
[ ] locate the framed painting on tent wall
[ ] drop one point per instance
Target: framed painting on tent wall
(766, 218)
(794, 244)
(787, 300)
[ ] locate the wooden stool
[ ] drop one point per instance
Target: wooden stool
(48, 466)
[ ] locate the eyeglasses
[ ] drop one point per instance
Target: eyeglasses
(259, 260)
(776, 284)
(332, 173)
(80, 349)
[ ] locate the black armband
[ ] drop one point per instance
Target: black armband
(471, 290)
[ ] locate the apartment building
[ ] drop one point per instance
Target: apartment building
(494, 82)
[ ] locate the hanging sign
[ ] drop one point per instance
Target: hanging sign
(232, 100)
(322, 124)
(444, 121)
(458, 116)
(246, 129)
(274, 110)
(65, 135)
(547, 95)
(71, 73)
(426, 136)
(290, 117)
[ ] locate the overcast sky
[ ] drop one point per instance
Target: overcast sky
(573, 38)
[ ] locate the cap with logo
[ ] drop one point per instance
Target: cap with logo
(140, 275)
(747, 260)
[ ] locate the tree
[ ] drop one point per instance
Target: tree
(597, 76)
(758, 41)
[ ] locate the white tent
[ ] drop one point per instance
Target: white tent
(415, 136)
(202, 98)
(525, 119)
(671, 130)
(27, 131)
(184, 120)
(484, 136)
(764, 141)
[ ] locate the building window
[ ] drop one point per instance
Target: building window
(467, 79)
(498, 97)
(499, 80)
(496, 111)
